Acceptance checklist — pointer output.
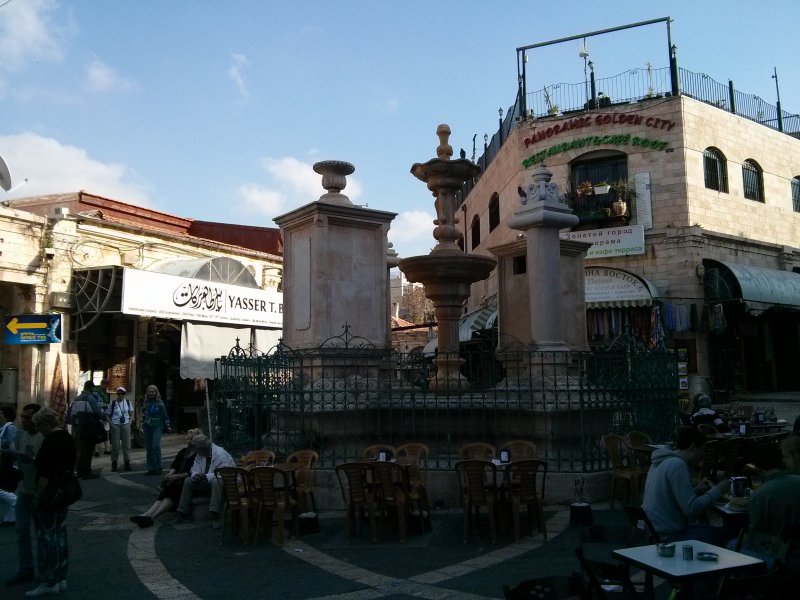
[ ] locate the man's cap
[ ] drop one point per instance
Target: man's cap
(201, 441)
(122, 390)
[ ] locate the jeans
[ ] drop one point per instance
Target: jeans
(152, 444)
(121, 432)
(84, 451)
(53, 550)
(203, 487)
(24, 510)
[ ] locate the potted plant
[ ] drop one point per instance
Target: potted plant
(602, 188)
(585, 188)
(553, 109)
(624, 192)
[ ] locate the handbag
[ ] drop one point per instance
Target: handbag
(60, 493)
(92, 429)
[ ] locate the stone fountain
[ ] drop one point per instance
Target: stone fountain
(447, 272)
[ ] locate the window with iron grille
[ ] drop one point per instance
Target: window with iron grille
(796, 194)
(475, 231)
(752, 181)
(716, 174)
(494, 212)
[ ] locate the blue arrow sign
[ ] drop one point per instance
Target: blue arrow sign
(32, 329)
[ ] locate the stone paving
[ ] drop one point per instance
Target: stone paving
(111, 556)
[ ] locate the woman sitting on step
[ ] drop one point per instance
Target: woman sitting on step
(172, 484)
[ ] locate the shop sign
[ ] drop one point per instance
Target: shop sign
(182, 298)
(596, 140)
(614, 241)
(544, 133)
(604, 285)
(32, 329)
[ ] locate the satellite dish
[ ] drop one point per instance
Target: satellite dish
(5, 176)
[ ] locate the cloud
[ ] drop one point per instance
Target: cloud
(54, 168)
(238, 63)
(102, 78)
(291, 183)
(26, 34)
(412, 233)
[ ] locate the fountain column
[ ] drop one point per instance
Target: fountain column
(542, 213)
(447, 272)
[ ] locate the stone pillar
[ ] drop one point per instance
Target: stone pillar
(335, 267)
(542, 213)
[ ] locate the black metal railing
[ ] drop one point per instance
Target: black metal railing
(339, 399)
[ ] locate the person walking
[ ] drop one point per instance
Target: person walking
(81, 412)
(8, 477)
(155, 421)
(26, 447)
(172, 485)
(103, 398)
(119, 415)
(55, 460)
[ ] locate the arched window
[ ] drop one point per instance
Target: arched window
(475, 231)
(796, 194)
(494, 212)
(716, 173)
(752, 181)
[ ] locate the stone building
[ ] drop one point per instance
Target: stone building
(142, 297)
(694, 216)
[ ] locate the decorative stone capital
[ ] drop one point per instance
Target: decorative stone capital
(541, 204)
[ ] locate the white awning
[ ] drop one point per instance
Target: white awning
(483, 318)
(202, 344)
(607, 287)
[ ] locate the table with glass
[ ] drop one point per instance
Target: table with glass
(683, 572)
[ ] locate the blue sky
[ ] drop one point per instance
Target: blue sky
(216, 110)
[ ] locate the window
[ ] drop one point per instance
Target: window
(494, 212)
(796, 194)
(716, 174)
(752, 181)
(607, 169)
(475, 231)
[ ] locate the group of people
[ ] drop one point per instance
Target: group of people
(41, 451)
(675, 504)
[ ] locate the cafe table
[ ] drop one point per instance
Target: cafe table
(685, 572)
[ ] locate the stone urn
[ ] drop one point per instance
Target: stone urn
(619, 208)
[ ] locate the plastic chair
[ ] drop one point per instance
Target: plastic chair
(392, 489)
(707, 429)
(257, 458)
(521, 481)
(475, 492)
(273, 499)
(476, 451)
(600, 573)
(356, 494)
(304, 478)
(415, 456)
(520, 449)
(640, 521)
(236, 499)
(637, 439)
(555, 587)
(613, 444)
(766, 583)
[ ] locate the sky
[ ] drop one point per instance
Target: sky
(217, 110)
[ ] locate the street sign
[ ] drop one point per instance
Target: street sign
(32, 329)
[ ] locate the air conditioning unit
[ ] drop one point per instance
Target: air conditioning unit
(60, 212)
(129, 259)
(60, 300)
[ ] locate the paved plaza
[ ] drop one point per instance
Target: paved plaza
(111, 557)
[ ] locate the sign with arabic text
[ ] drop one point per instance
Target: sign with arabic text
(182, 298)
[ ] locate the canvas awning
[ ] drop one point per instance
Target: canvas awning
(607, 287)
(202, 344)
(759, 288)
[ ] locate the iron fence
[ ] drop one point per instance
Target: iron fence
(339, 398)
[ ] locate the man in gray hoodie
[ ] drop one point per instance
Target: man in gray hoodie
(671, 501)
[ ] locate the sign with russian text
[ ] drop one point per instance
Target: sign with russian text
(32, 329)
(606, 285)
(170, 297)
(614, 241)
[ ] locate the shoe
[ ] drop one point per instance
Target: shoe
(62, 585)
(8, 523)
(114, 467)
(43, 590)
(107, 452)
(21, 577)
(127, 466)
(96, 454)
(145, 522)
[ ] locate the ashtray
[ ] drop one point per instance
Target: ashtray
(707, 556)
(665, 549)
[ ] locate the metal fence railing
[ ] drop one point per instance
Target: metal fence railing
(339, 399)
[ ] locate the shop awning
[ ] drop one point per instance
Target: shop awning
(607, 287)
(202, 344)
(759, 288)
(483, 318)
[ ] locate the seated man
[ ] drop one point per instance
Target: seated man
(201, 480)
(774, 508)
(671, 501)
(707, 415)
